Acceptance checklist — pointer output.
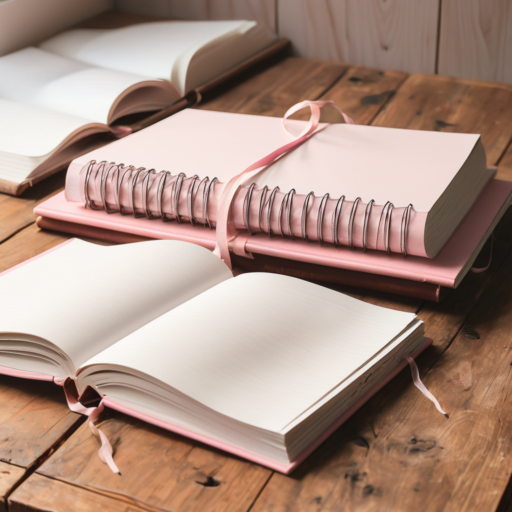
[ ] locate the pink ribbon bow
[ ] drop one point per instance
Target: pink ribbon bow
(225, 230)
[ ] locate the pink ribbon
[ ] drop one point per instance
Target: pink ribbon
(417, 382)
(225, 230)
(105, 451)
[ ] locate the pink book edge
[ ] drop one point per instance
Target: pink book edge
(22, 374)
(239, 452)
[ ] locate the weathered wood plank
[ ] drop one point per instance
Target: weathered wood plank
(273, 90)
(9, 477)
(362, 92)
(38, 494)
(432, 102)
(34, 417)
(16, 212)
(26, 244)
(476, 39)
(391, 34)
(158, 469)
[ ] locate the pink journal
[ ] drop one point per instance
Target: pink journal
(447, 269)
(409, 205)
(144, 357)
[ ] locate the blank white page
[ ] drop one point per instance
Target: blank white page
(38, 77)
(156, 50)
(83, 297)
(260, 348)
(34, 131)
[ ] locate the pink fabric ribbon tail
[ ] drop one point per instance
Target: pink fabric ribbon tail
(417, 382)
(225, 230)
(105, 451)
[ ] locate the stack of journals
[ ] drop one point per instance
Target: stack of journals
(398, 210)
(73, 92)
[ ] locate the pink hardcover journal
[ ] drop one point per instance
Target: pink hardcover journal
(163, 332)
(447, 269)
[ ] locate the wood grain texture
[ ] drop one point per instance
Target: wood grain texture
(362, 92)
(9, 477)
(262, 11)
(476, 39)
(273, 90)
(34, 417)
(39, 494)
(16, 212)
(431, 102)
(391, 34)
(26, 244)
(158, 469)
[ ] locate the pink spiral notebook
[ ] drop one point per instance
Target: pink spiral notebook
(379, 193)
(163, 332)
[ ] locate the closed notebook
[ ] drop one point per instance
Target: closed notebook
(260, 365)
(82, 82)
(344, 198)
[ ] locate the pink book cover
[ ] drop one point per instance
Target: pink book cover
(286, 469)
(445, 270)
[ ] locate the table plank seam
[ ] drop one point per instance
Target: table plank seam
(113, 495)
(260, 491)
(30, 470)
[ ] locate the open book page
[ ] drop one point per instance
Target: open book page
(260, 348)
(35, 132)
(155, 50)
(40, 78)
(83, 297)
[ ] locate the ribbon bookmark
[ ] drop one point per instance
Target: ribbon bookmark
(417, 382)
(105, 451)
(225, 231)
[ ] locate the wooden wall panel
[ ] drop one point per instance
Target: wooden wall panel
(389, 34)
(262, 11)
(26, 22)
(476, 39)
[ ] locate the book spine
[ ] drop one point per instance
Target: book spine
(341, 221)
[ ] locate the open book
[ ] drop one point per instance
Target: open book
(261, 365)
(80, 82)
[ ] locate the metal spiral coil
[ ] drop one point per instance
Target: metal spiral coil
(119, 173)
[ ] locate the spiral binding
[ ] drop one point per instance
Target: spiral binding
(120, 172)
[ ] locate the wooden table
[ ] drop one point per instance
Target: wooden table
(397, 453)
